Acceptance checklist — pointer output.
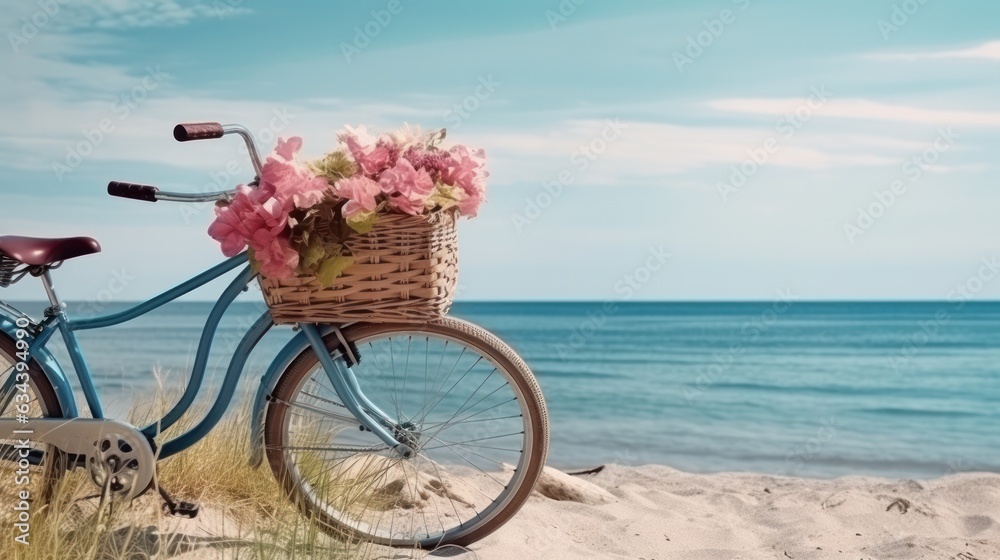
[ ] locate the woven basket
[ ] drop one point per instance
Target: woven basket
(405, 270)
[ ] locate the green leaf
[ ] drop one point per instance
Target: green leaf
(254, 265)
(362, 222)
(332, 268)
(443, 197)
(312, 254)
(333, 166)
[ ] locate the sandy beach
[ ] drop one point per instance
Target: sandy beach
(659, 513)
(655, 512)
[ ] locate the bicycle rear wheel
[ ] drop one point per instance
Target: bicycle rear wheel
(45, 464)
(457, 395)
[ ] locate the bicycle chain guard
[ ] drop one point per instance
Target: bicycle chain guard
(118, 457)
(115, 464)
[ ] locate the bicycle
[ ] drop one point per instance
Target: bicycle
(396, 433)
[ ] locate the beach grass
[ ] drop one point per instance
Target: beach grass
(244, 513)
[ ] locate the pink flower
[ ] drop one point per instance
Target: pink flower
(286, 149)
(295, 185)
(370, 156)
(360, 192)
(434, 161)
(467, 170)
(277, 259)
(406, 187)
(254, 216)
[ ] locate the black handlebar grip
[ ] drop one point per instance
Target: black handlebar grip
(197, 131)
(132, 190)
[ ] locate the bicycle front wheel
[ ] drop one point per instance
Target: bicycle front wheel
(458, 396)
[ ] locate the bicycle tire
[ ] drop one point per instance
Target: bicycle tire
(490, 347)
(54, 461)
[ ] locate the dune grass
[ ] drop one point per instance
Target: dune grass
(244, 513)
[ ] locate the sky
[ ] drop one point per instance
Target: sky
(720, 150)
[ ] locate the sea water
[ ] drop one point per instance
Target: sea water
(809, 389)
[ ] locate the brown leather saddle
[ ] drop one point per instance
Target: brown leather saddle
(37, 251)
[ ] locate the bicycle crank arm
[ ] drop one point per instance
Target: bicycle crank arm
(118, 456)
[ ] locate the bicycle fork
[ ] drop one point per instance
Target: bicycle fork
(346, 386)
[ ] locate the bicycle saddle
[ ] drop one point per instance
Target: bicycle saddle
(38, 251)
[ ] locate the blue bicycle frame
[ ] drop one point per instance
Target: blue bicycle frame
(341, 376)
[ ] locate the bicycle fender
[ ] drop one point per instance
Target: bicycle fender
(293, 348)
(53, 371)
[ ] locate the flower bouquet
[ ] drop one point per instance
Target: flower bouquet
(367, 232)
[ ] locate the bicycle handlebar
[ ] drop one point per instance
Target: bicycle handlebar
(186, 132)
(133, 191)
(150, 193)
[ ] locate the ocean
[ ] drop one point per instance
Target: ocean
(900, 389)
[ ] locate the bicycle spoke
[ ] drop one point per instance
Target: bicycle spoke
(393, 394)
(449, 445)
(443, 383)
(406, 369)
(321, 399)
(484, 438)
(33, 397)
(463, 446)
(335, 448)
(9, 389)
(448, 392)
(451, 501)
(462, 421)
(453, 482)
(382, 377)
(320, 411)
(462, 408)
(427, 356)
(436, 424)
(477, 467)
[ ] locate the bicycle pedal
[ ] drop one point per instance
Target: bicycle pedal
(187, 510)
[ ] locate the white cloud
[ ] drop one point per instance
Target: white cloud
(66, 15)
(986, 51)
(863, 109)
(792, 213)
(662, 153)
(55, 99)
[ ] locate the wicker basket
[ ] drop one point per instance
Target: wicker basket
(405, 270)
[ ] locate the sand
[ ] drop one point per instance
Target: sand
(658, 513)
(661, 513)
